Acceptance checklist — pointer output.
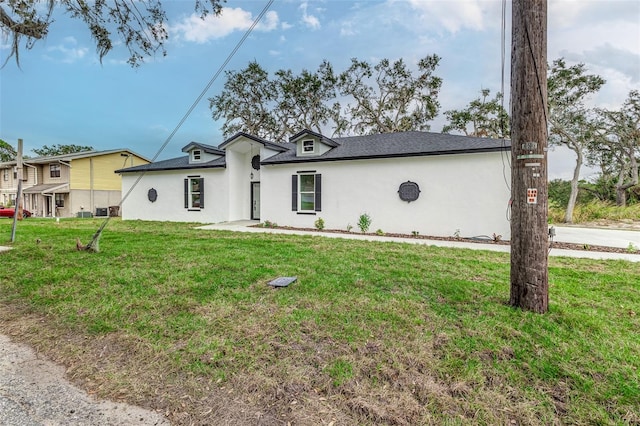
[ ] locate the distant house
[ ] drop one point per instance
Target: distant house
(67, 185)
(413, 182)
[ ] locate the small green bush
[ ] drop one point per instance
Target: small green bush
(364, 222)
(319, 223)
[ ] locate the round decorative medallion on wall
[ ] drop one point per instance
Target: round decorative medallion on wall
(152, 195)
(409, 191)
(255, 162)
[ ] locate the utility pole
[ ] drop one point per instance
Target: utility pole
(529, 229)
(17, 214)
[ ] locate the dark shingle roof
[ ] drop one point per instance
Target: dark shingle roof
(390, 145)
(206, 148)
(180, 163)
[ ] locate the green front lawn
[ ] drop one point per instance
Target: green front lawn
(182, 320)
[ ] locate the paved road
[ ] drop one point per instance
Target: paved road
(598, 236)
(33, 392)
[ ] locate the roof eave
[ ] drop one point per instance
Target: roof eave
(269, 162)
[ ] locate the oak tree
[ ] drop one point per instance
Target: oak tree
(139, 24)
(388, 97)
(7, 152)
(483, 117)
(616, 147)
(571, 123)
(247, 103)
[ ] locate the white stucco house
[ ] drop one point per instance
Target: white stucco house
(429, 183)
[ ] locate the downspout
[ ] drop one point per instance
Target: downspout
(90, 185)
(54, 195)
(35, 182)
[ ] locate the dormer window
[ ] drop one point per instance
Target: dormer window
(307, 146)
(196, 155)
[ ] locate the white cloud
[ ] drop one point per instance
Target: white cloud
(195, 29)
(452, 15)
(66, 52)
(605, 36)
(309, 20)
(347, 29)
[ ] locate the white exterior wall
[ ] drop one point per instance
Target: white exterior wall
(170, 203)
(239, 170)
(465, 192)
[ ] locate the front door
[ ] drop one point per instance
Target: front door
(255, 200)
(47, 206)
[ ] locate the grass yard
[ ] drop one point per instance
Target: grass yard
(182, 321)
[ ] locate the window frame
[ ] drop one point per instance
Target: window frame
(55, 170)
(59, 200)
(305, 146)
(189, 193)
(302, 192)
(297, 193)
(196, 155)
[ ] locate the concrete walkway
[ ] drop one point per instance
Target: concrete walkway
(576, 235)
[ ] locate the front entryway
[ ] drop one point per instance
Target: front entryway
(255, 200)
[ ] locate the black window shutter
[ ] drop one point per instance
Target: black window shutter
(202, 193)
(186, 193)
(294, 193)
(318, 193)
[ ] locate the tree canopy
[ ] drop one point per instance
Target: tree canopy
(616, 146)
(47, 151)
(481, 118)
(381, 98)
(7, 152)
(571, 123)
(387, 97)
(139, 24)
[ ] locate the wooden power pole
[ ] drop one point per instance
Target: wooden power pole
(529, 229)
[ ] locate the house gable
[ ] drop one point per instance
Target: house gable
(267, 150)
(311, 144)
(200, 153)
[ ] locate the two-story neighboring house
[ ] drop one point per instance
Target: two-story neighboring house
(70, 184)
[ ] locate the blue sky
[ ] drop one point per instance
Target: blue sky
(63, 95)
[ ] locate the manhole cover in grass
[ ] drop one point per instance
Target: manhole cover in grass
(282, 281)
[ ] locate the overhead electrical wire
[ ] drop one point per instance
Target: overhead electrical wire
(503, 49)
(192, 107)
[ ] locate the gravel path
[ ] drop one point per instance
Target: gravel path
(33, 392)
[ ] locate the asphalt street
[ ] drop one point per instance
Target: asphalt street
(33, 392)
